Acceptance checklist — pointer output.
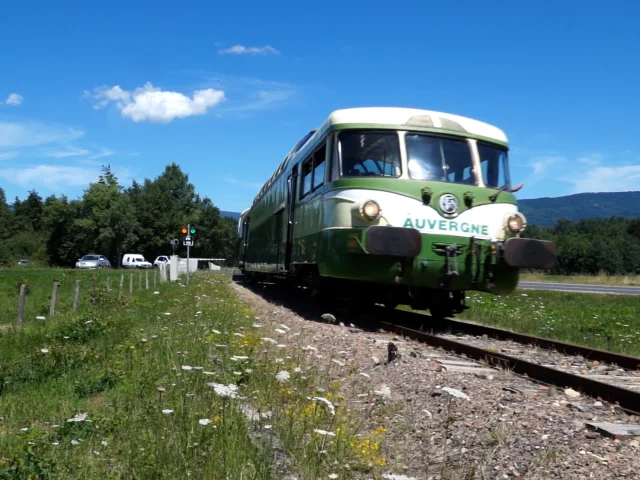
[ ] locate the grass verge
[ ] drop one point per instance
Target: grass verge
(173, 384)
(608, 322)
(39, 285)
(600, 279)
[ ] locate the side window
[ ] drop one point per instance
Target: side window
(335, 157)
(307, 171)
(319, 166)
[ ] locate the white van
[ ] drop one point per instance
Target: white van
(135, 260)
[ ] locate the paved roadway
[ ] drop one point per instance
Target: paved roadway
(582, 288)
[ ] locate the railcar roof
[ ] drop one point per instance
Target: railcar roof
(409, 117)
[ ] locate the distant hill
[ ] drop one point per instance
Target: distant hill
(545, 211)
(234, 215)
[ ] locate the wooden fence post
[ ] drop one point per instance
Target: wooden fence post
(54, 299)
(139, 281)
(155, 278)
(108, 284)
(121, 284)
(146, 280)
(76, 296)
(23, 292)
(131, 283)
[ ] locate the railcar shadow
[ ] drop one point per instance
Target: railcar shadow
(300, 301)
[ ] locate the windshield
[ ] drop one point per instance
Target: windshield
(367, 154)
(440, 159)
(90, 257)
(495, 165)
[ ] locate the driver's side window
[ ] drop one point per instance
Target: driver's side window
(370, 154)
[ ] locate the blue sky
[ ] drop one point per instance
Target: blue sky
(241, 84)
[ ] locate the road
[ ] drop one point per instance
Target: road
(581, 288)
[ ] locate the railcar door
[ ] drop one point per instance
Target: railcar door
(292, 181)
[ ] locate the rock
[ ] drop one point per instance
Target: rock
(634, 444)
(569, 392)
(327, 317)
(376, 360)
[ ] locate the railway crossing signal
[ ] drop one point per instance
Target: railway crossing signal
(188, 242)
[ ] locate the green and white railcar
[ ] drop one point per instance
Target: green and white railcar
(393, 206)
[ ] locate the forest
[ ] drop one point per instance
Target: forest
(594, 245)
(111, 220)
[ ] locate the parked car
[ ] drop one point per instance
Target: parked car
(23, 262)
(93, 260)
(135, 260)
(162, 260)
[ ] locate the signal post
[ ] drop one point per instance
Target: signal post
(188, 242)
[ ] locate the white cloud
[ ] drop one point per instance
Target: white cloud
(151, 104)
(250, 93)
(57, 177)
(542, 164)
(104, 152)
(50, 175)
(31, 134)
(14, 99)
(242, 50)
(69, 151)
(8, 155)
(621, 178)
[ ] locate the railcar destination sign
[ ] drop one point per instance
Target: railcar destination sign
(446, 226)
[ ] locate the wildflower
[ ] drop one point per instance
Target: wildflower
(239, 357)
(285, 327)
(238, 334)
(104, 443)
(282, 376)
(156, 293)
(186, 367)
(257, 325)
(44, 350)
(280, 345)
(80, 417)
(324, 432)
(327, 403)
(393, 476)
(269, 340)
(333, 475)
(297, 370)
(167, 313)
(40, 318)
(279, 330)
(225, 390)
(342, 364)
(144, 340)
(204, 421)
(166, 411)
(75, 442)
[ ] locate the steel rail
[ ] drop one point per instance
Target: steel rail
(623, 361)
(625, 399)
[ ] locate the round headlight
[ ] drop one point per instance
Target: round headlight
(370, 210)
(515, 223)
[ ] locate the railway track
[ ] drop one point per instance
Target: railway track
(608, 376)
(547, 361)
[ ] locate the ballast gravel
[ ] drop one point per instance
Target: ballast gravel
(449, 417)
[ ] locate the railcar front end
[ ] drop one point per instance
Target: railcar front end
(395, 206)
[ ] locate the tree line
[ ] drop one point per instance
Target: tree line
(111, 220)
(595, 245)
